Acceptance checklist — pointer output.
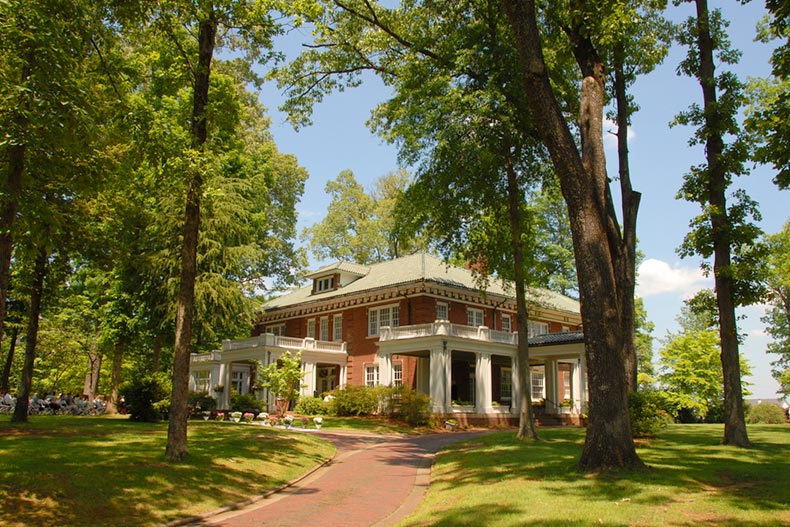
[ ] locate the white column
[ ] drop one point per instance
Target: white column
(483, 383)
(552, 394)
(439, 380)
(308, 381)
(581, 385)
(385, 369)
(343, 380)
(223, 399)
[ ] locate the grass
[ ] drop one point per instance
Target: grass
(76, 471)
(692, 480)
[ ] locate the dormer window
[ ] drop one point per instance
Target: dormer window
(324, 284)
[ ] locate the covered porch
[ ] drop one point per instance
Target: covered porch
(472, 372)
(234, 368)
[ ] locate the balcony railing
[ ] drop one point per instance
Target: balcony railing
(442, 328)
(291, 343)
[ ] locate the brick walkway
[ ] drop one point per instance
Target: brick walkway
(373, 480)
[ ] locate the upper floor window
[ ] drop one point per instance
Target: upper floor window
(324, 284)
(278, 330)
(474, 317)
(382, 317)
(507, 323)
(324, 328)
(337, 328)
(311, 328)
(442, 311)
(537, 328)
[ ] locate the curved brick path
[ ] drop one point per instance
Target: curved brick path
(373, 480)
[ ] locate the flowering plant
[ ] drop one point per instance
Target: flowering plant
(263, 416)
(220, 416)
(288, 420)
(248, 416)
(318, 420)
(206, 415)
(236, 416)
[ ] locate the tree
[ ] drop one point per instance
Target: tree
(689, 362)
(283, 379)
(777, 318)
(721, 231)
(644, 346)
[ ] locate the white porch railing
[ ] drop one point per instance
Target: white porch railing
(442, 328)
(205, 357)
(276, 341)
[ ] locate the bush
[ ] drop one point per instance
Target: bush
(245, 402)
(765, 413)
(407, 404)
(647, 414)
(201, 402)
(354, 400)
(309, 405)
(147, 397)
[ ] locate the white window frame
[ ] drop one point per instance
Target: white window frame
(278, 330)
(311, 328)
(506, 384)
(538, 383)
(237, 381)
(566, 385)
(397, 374)
(323, 323)
(442, 311)
(537, 328)
(475, 315)
(372, 375)
(202, 380)
(337, 328)
(380, 317)
(507, 323)
(324, 284)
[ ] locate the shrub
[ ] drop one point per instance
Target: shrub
(765, 413)
(146, 397)
(409, 405)
(309, 405)
(647, 414)
(354, 400)
(245, 402)
(201, 402)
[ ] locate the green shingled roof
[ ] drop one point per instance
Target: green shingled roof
(411, 269)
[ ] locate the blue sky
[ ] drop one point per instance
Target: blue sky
(339, 140)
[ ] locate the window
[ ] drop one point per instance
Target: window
(202, 381)
(382, 317)
(324, 284)
(537, 328)
(324, 335)
(372, 375)
(566, 384)
(311, 328)
(397, 374)
(538, 377)
(237, 381)
(474, 317)
(442, 311)
(565, 329)
(507, 323)
(278, 330)
(337, 328)
(506, 384)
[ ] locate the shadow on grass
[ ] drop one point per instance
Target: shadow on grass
(68, 472)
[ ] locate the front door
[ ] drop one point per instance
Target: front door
(327, 378)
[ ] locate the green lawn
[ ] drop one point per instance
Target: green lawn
(692, 480)
(76, 471)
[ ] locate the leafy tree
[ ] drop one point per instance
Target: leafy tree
(283, 379)
(723, 232)
(644, 346)
(777, 318)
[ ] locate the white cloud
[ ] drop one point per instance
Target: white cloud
(655, 277)
(610, 134)
(759, 333)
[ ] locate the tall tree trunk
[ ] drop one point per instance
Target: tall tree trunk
(596, 235)
(526, 421)
(734, 419)
(626, 265)
(115, 380)
(91, 385)
(31, 338)
(176, 449)
(9, 360)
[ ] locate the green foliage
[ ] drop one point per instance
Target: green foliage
(648, 416)
(777, 318)
(309, 405)
(765, 413)
(403, 402)
(146, 397)
(355, 401)
(245, 402)
(201, 402)
(283, 379)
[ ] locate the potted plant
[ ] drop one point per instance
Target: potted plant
(288, 421)
(248, 417)
(236, 416)
(318, 421)
(206, 415)
(263, 417)
(451, 425)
